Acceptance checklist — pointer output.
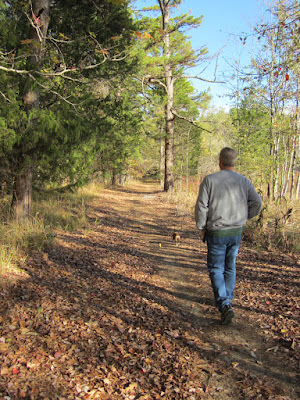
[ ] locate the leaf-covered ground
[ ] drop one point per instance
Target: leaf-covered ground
(118, 311)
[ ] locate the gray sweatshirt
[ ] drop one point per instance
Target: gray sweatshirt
(226, 200)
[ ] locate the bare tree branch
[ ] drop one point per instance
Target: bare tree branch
(58, 73)
(2, 94)
(194, 123)
(201, 79)
(154, 80)
(54, 92)
(148, 79)
(17, 71)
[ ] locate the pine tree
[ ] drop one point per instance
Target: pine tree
(169, 53)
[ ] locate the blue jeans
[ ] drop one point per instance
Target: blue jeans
(221, 263)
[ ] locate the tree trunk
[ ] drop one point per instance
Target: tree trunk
(298, 187)
(187, 160)
(169, 82)
(114, 180)
(122, 179)
(21, 202)
(169, 141)
(22, 190)
(276, 167)
(292, 169)
(161, 163)
(169, 178)
(273, 134)
(297, 137)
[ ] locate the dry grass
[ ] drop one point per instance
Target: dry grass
(275, 228)
(51, 211)
(278, 227)
(185, 195)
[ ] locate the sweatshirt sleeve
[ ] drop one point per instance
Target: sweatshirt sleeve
(201, 207)
(254, 202)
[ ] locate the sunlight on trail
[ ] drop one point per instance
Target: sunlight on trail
(118, 302)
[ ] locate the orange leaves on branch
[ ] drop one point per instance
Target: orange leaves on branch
(102, 51)
(146, 35)
(36, 19)
(26, 41)
(64, 36)
(55, 60)
(116, 37)
(276, 74)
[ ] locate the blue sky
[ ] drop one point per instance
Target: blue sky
(224, 22)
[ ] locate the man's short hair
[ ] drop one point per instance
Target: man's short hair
(228, 157)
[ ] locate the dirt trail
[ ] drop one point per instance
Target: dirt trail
(124, 313)
(181, 275)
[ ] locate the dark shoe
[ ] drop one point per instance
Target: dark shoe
(227, 315)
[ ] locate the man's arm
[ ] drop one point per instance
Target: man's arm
(201, 207)
(254, 202)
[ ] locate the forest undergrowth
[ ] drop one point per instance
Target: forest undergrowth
(276, 228)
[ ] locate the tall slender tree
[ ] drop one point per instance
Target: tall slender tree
(169, 54)
(273, 83)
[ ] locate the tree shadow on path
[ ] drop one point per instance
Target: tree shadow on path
(121, 310)
(185, 280)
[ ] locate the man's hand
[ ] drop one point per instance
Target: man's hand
(202, 235)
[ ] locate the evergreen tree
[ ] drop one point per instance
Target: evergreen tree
(251, 139)
(50, 52)
(118, 146)
(169, 53)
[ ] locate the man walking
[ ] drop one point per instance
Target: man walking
(226, 200)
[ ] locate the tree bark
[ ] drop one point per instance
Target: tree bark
(169, 83)
(169, 163)
(169, 140)
(161, 163)
(297, 137)
(292, 168)
(122, 179)
(187, 160)
(22, 195)
(114, 180)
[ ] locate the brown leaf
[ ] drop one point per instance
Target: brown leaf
(4, 371)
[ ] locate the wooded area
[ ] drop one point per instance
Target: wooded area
(90, 95)
(103, 141)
